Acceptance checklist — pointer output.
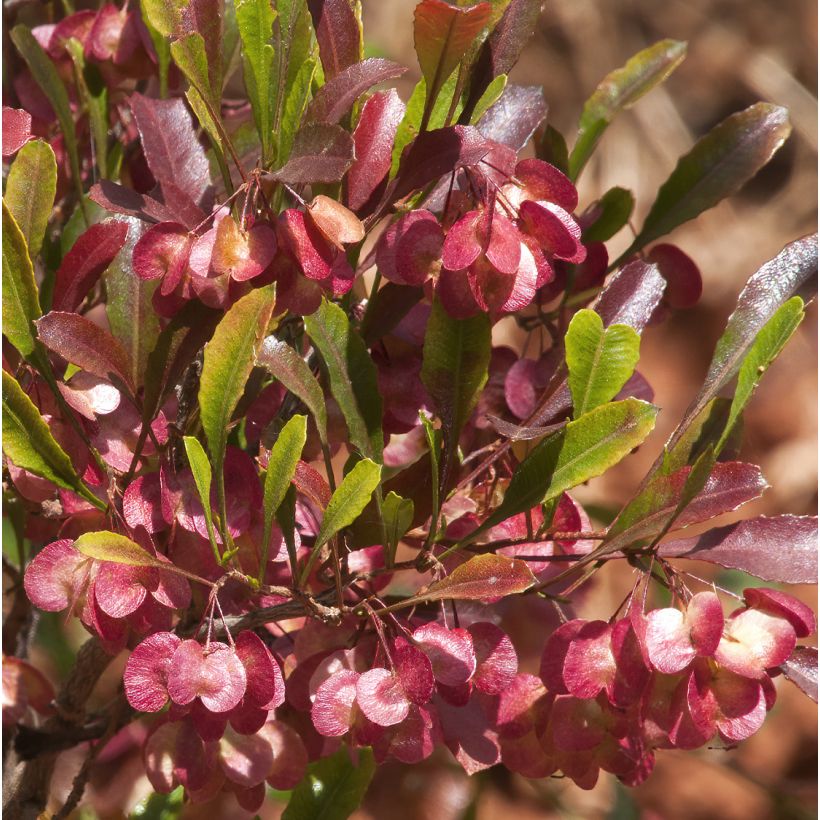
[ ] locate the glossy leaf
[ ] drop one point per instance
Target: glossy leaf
(333, 787)
(512, 120)
(29, 444)
(228, 360)
(116, 549)
(489, 98)
(619, 90)
(482, 577)
(165, 15)
(321, 153)
(454, 371)
(801, 670)
(600, 361)
(206, 19)
(719, 164)
(294, 107)
(609, 214)
(782, 548)
(201, 471)
(30, 189)
(398, 516)
(82, 267)
(286, 365)
(21, 305)
(352, 376)
(338, 34)
(190, 55)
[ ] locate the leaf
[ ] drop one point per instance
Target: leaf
(89, 257)
(333, 787)
(255, 21)
(206, 19)
(455, 359)
(21, 304)
(190, 55)
(336, 97)
(391, 303)
(116, 549)
(631, 296)
(489, 98)
(719, 164)
(295, 104)
(508, 39)
(201, 471)
(282, 461)
(434, 442)
(228, 360)
(321, 153)
(704, 431)
(398, 516)
(352, 376)
(512, 120)
(781, 549)
(585, 448)
(611, 213)
(619, 90)
(442, 34)
(286, 365)
(29, 444)
(801, 669)
(600, 361)
(82, 343)
(349, 500)
(30, 189)
(482, 577)
(765, 349)
(164, 15)
(338, 34)
(170, 144)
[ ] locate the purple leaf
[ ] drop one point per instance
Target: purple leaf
(205, 17)
(481, 578)
(86, 345)
(513, 119)
(336, 97)
(82, 266)
(801, 669)
(170, 144)
(321, 153)
(121, 200)
(783, 548)
(631, 296)
(338, 34)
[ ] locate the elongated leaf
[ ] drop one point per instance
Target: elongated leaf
(338, 34)
(610, 213)
(434, 443)
(489, 98)
(164, 15)
(719, 164)
(294, 107)
(82, 343)
(190, 55)
(28, 443)
(481, 578)
(286, 365)
(116, 549)
(352, 376)
(229, 358)
(398, 516)
(321, 153)
(704, 431)
(21, 305)
(600, 361)
(85, 263)
(585, 448)
(454, 371)
(30, 190)
(619, 90)
(333, 787)
(282, 461)
(201, 471)
(442, 35)
(336, 97)
(801, 669)
(206, 18)
(513, 118)
(765, 349)
(255, 21)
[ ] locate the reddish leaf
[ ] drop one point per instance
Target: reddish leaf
(336, 97)
(82, 266)
(481, 578)
(514, 30)
(631, 296)
(125, 201)
(801, 669)
(684, 284)
(338, 34)
(86, 345)
(512, 120)
(16, 129)
(783, 548)
(321, 153)
(373, 139)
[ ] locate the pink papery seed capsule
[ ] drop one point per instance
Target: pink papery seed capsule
(214, 674)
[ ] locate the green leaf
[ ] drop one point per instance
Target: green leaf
(434, 442)
(704, 430)
(28, 442)
(116, 549)
(282, 461)
(719, 164)
(20, 301)
(46, 76)
(600, 361)
(619, 90)
(255, 21)
(201, 470)
(191, 57)
(286, 365)
(333, 787)
(489, 98)
(454, 370)
(398, 515)
(352, 376)
(294, 107)
(552, 148)
(164, 15)
(228, 360)
(612, 212)
(30, 190)
(585, 448)
(766, 348)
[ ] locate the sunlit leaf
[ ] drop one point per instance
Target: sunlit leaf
(117, 549)
(201, 471)
(321, 153)
(338, 34)
(398, 516)
(610, 213)
(482, 577)
(801, 670)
